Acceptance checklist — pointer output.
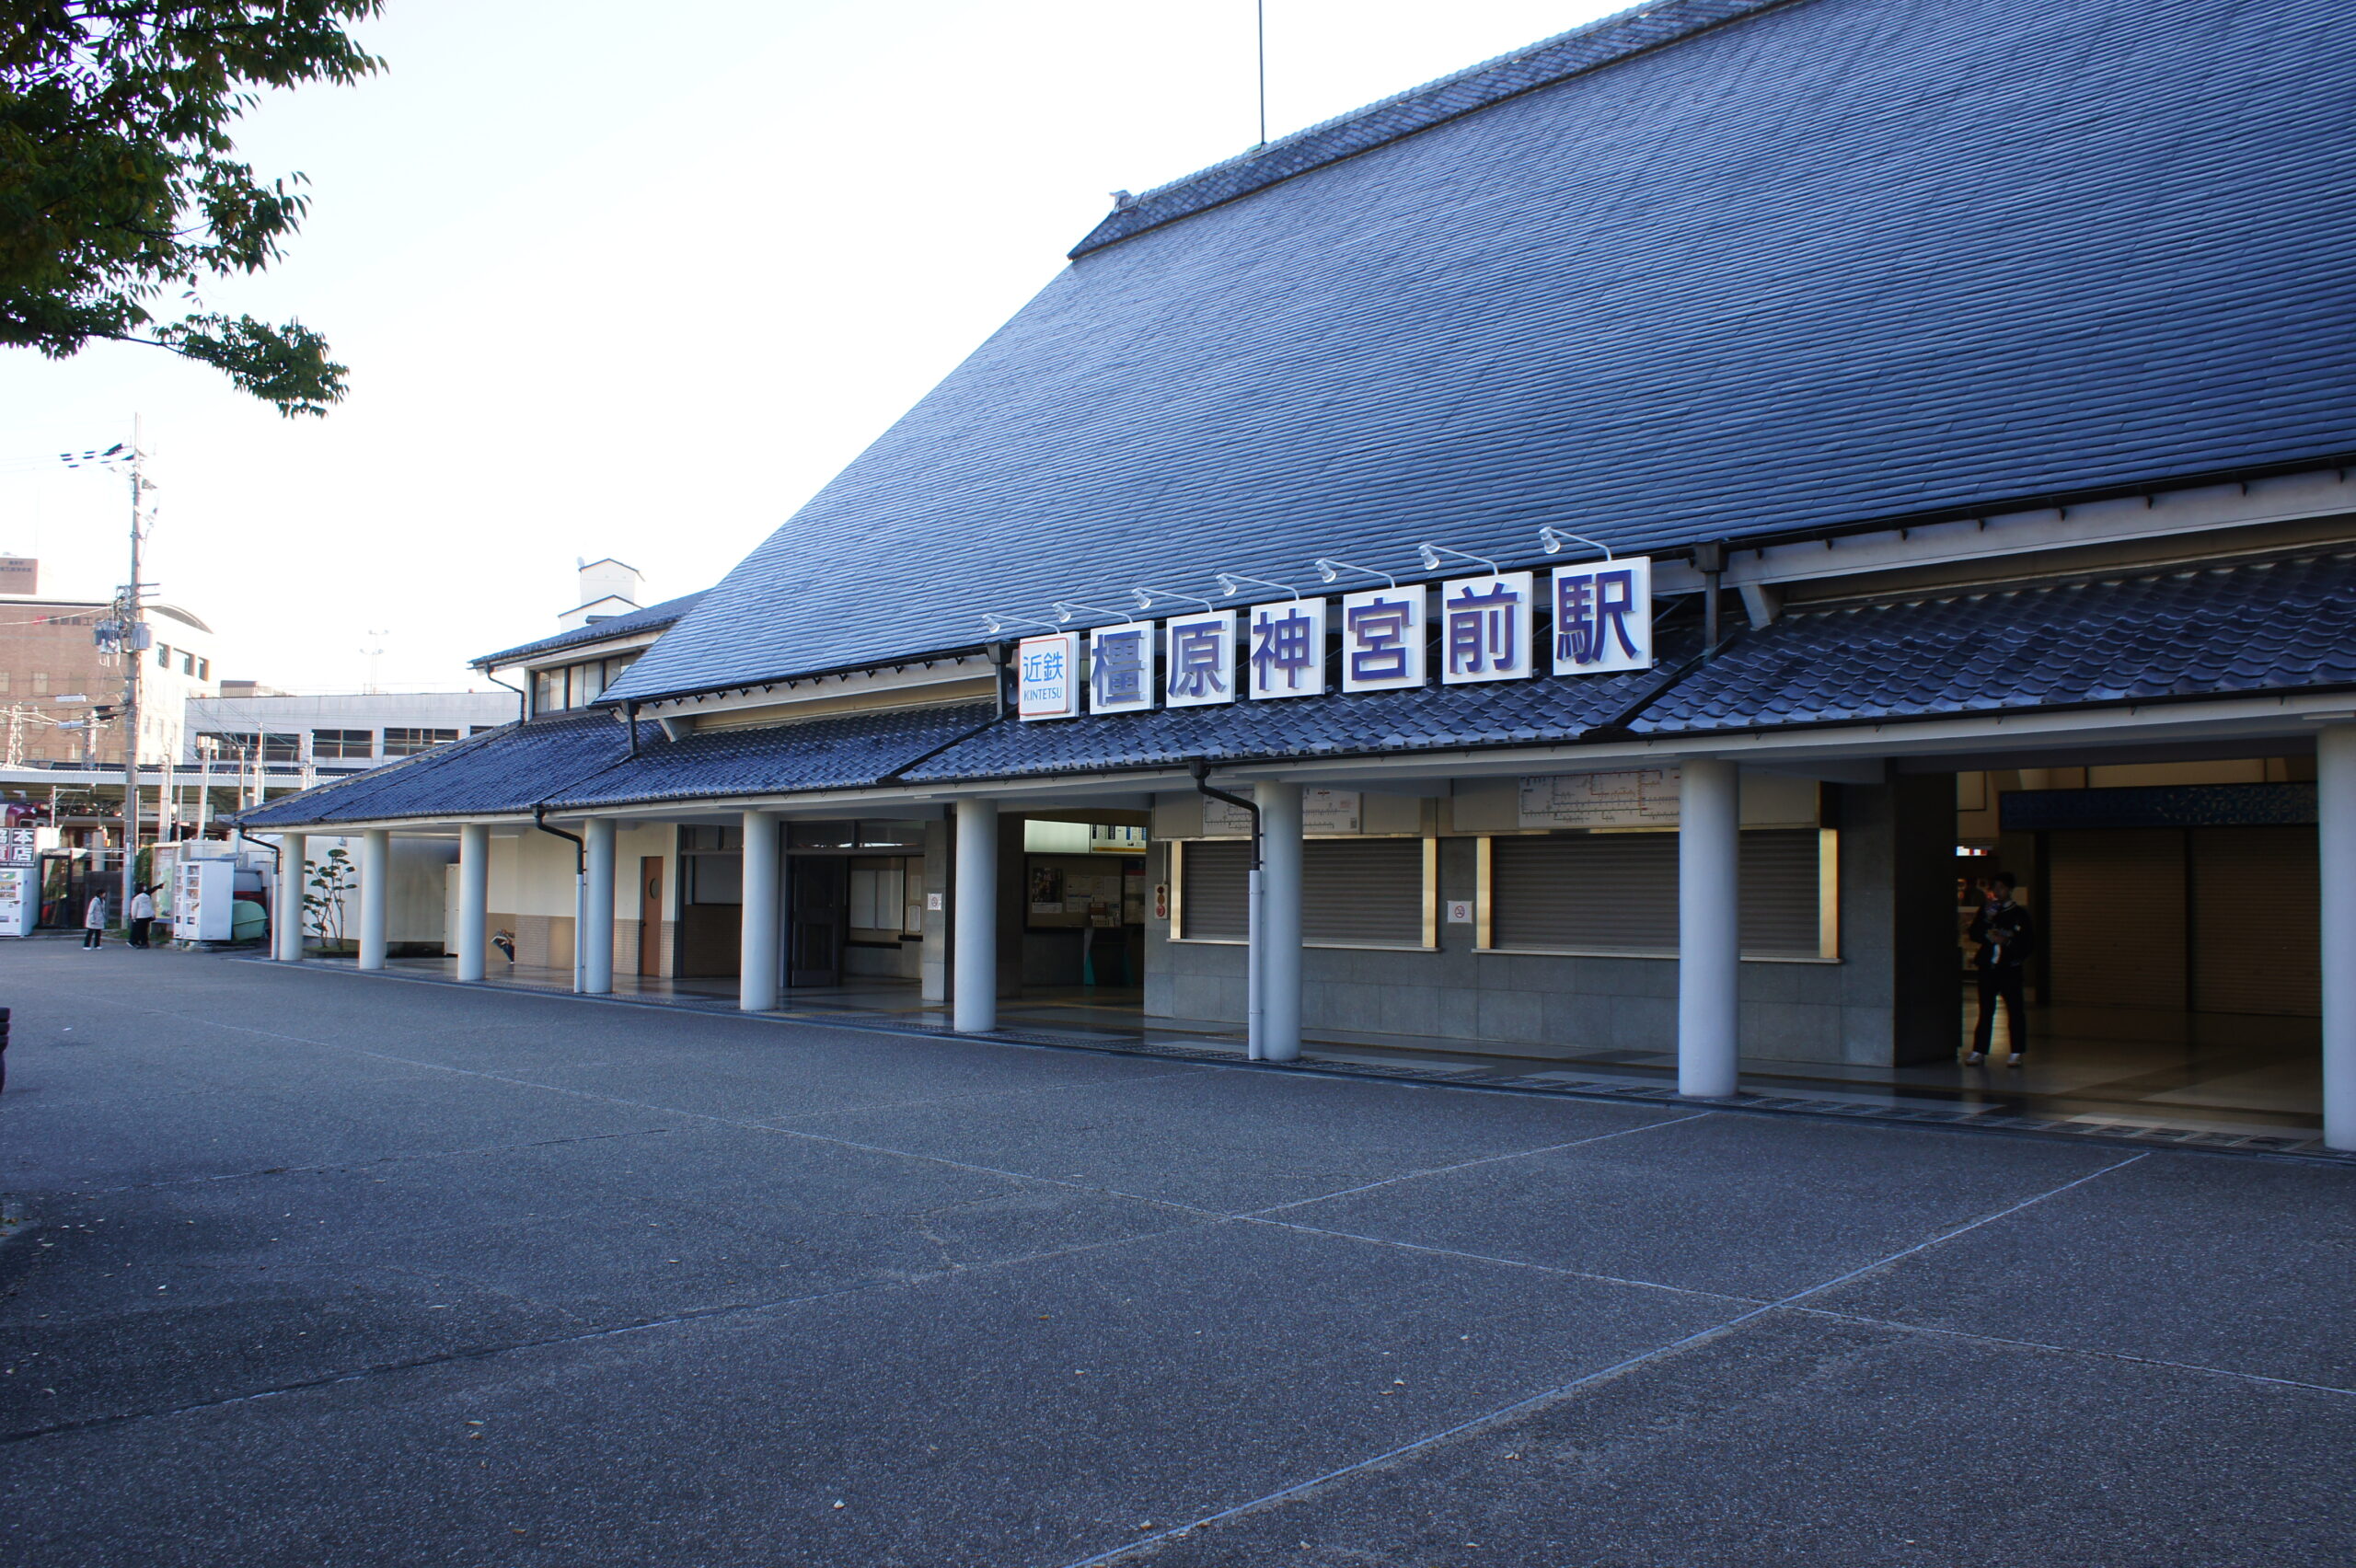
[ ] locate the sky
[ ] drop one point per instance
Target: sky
(609, 289)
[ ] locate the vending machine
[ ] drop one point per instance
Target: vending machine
(204, 897)
(20, 850)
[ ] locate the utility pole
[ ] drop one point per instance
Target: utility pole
(129, 617)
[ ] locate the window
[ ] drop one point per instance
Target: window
(4, 683)
(163, 656)
(1617, 893)
(188, 663)
(483, 729)
(1355, 891)
(281, 748)
(715, 878)
(576, 685)
(338, 746)
(204, 669)
(879, 900)
(409, 742)
(40, 683)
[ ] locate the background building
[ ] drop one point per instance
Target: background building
(49, 650)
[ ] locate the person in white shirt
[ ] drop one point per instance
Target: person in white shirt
(143, 916)
(94, 921)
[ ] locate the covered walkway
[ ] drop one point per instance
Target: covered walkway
(2219, 1092)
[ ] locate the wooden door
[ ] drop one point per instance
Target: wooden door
(817, 910)
(649, 914)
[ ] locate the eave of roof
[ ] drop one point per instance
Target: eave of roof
(654, 617)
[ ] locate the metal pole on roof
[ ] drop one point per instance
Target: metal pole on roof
(1260, 20)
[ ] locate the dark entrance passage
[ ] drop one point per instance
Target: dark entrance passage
(2178, 913)
(817, 913)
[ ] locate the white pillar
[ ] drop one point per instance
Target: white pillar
(287, 918)
(1277, 939)
(2336, 844)
(1709, 927)
(376, 873)
(474, 899)
(759, 956)
(973, 982)
(597, 909)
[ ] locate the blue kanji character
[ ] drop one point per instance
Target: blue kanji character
(1043, 665)
(1482, 631)
(1283, 643)
(1197, 654)
(1378, 633)
(1118, 669)
(1591, 612)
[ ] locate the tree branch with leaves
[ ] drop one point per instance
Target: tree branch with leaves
(118, 179)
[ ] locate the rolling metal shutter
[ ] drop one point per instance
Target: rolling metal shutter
(1781, 888)
(2256, 921)
(1214, 889)
(1618, 892)
(2114, 926)
(1369, 890)
(1584, 890)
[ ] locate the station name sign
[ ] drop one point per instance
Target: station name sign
(1597, 618)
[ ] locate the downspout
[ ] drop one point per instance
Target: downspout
(999, 656)
(580, 882)
(276, 859)
(277, 865)
(523, 700)
(1255, 1028)
(629, 717)
(1710, 560)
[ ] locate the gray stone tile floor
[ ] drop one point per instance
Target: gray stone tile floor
(303, 1267)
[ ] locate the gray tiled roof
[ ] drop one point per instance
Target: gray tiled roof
(1437, 718)
(1598, 44)
(583, 759)
(840, 753)
(654, 617)
(1835, 262)
(2213, 631)
(508, 769)
(2269, 625)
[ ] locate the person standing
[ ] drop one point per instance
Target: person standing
(94, 921)
(143, 916)
(2007, 937)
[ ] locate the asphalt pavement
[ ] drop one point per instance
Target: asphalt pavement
(310, 1268)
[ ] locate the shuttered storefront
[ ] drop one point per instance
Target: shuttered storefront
(2257, 917)
(2115, 923)
(1617, 893)
(1367, 891)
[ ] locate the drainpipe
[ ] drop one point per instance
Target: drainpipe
(579, 883)
(629, 717)
(522, 711)
(277, 883)
(1000, 654)
(1254, 1027)
(1710, 560)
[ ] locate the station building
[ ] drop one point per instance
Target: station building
(1585, 560)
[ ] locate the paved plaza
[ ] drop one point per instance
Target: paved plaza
(311, 1268)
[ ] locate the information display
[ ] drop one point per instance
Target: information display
(1638, 797)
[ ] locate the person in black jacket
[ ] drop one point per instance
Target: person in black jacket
(2006, 937)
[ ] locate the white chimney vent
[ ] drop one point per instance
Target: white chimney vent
(608, 588)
